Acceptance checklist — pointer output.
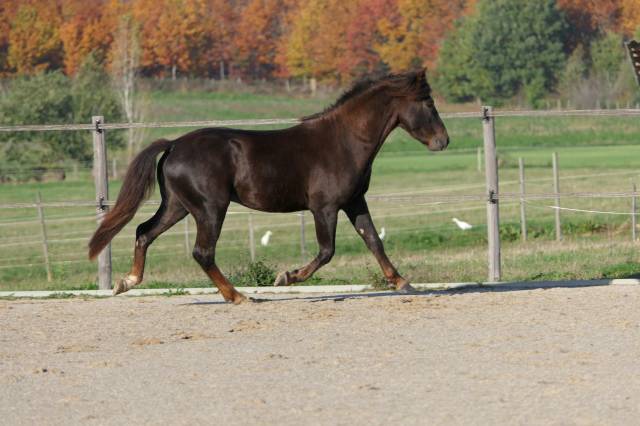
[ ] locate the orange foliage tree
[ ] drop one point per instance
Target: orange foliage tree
(86, 30)
(630, 16)
(220, 30)
(412, 33)
(362, 34)
(172, 34)
(317, 41)
(589, 18)
(7, 10)
(261, 25)
(34, 38)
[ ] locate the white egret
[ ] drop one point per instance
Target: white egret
(265, 238)
(462, 224)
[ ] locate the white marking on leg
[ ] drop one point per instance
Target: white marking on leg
(361, 231)
(131, 280)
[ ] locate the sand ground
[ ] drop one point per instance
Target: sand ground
(555, 356)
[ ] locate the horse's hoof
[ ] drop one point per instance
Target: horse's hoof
(407, 289)
(125, 284)
(281, 279)
(120, 287)
(239, 299)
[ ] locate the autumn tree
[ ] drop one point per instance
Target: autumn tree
(412, 33)
(84, 30)
(34, 38)
(261, 25)
(219, 38)
(588, 19)
(630, 16)
(7, 10)
(362, 33)
(173, 34)
(317, 40)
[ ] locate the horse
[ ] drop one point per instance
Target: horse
(323, 164)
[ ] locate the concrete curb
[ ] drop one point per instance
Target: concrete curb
(317, 289)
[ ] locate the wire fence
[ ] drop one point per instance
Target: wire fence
(239, 231)
(630, 112)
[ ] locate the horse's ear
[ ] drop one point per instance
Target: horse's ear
(421, 74)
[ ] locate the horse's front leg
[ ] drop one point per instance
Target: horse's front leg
(358, 213)
(325, 221)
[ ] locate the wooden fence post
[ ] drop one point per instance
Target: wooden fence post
(634, 209)
(187, 244)
(102, 197)
(303, 243)
(491, 174)
(556, 190)
(114, 169)
(252, 245)
(45, 244)
(523, 213)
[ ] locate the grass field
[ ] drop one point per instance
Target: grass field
(595, 155)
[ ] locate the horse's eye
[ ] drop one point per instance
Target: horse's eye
(429, 103)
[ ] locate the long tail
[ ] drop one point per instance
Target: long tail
(137, 186)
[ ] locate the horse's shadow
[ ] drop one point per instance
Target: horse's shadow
(471, 289)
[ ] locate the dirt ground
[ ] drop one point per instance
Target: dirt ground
(555, 356)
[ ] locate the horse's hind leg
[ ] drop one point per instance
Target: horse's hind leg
(167, 215)
(325, 221)
(209, 223)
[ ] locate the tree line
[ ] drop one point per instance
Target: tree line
(477, 49)
(56, 55)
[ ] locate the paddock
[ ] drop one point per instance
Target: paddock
(474, 356)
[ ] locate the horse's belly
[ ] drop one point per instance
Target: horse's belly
(271, 197)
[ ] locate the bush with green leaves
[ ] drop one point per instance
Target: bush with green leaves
(52, 98)
(255, 273)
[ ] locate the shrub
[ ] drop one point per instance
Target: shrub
(254, 273)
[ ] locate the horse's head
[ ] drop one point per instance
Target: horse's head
(417, 113)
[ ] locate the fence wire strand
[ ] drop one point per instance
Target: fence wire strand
(287, 121)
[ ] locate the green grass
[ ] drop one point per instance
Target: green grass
(600, 154)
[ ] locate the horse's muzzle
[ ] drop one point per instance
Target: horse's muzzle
(438, 143)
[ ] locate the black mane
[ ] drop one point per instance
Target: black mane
(403, 84)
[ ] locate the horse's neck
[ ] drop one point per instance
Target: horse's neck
(367, 127)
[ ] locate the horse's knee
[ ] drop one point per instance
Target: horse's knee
(204, 256)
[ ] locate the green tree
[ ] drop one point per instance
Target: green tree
(91, 95)
(575, 70)
(607, 55)
(510, 46)
(52, 98)
(40, 99)
(459, 77)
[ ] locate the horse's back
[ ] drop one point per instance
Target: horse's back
(255, 168)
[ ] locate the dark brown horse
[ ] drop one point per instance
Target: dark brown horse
(322, 164)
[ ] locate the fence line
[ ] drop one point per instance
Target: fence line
(491, 198)
(281, 121)
(14, 243)
(570, 209)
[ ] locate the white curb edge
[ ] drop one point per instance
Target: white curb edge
(353, 288)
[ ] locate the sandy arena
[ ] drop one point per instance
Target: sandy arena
(556, 356)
